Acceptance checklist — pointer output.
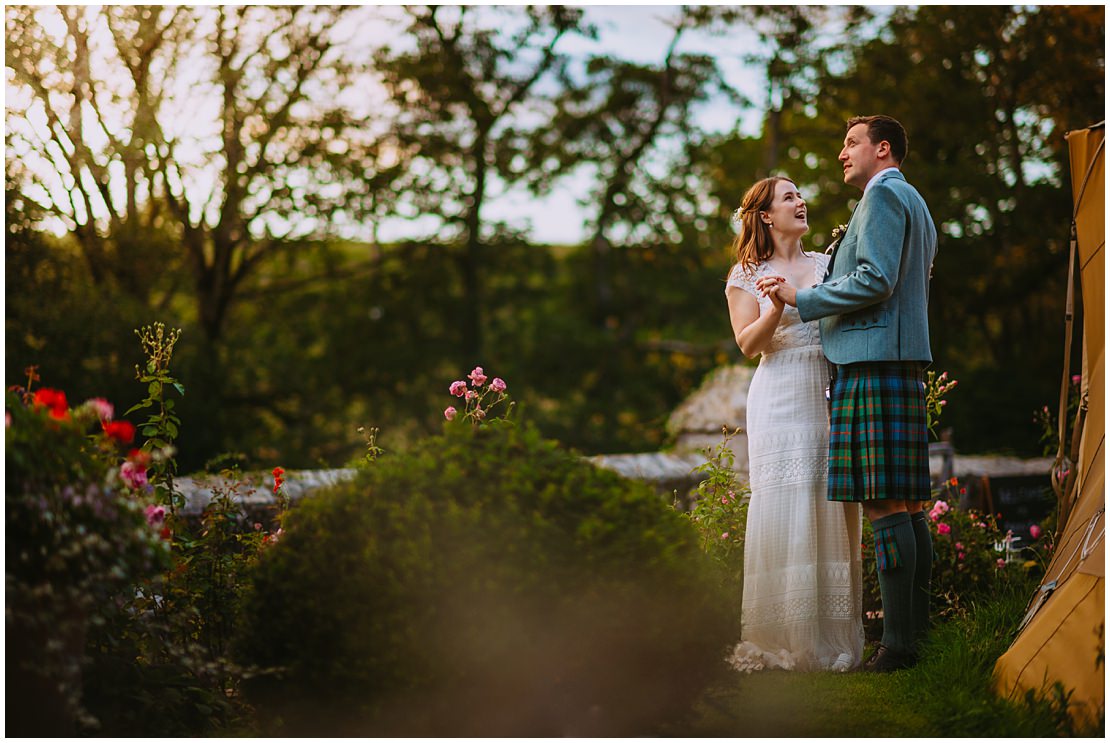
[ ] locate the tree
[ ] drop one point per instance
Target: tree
(466, 88)
(219, 131)
(616, 122)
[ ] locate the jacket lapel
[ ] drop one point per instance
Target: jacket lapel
(839, 242)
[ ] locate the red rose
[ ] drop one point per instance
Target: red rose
(139, 457)
(55, 400)
(121, 431)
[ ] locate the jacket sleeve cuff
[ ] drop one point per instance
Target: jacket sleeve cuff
(807, 304)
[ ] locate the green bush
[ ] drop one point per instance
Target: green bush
(720, 516)
(76, 541)
(486, 582)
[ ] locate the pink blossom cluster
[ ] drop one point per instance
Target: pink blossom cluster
(133, 470)
(474, 395)
(939, 509)
(155, 515)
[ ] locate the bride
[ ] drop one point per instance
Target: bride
(803, 597)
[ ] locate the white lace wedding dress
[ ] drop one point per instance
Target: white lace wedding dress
(803, 584)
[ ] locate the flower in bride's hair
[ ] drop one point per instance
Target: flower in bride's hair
(735, 221)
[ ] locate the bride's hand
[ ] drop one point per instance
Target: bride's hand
(768, 286)
(765, 283)
(776, 300)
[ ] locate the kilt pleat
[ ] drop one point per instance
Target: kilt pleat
(878, 440)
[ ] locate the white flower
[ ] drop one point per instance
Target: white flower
(837, 235)
(735, 222)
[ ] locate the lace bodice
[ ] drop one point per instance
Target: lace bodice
(791, 332)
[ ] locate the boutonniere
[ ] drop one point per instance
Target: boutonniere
(837, 234)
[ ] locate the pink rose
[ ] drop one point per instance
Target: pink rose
(725, 535)
(960, 556)
(103, 408)
(450, 414)
(943, 528)
(1000, 562)
(479, 414)
(458, 389)
(959, 545)
(155, 515)
(498, 385)
(1035, 531)
(471, 394)
(478, 377)
(133, 475)
(1076, 379)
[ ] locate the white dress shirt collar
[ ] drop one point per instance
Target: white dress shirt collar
(875, 178)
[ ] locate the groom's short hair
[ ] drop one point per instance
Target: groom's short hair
(880, 128)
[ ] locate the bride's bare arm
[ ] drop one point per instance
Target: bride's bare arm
(751, 330)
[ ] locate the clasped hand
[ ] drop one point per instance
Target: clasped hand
(777, 288)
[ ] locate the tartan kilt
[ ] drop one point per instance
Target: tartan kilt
(878, 439)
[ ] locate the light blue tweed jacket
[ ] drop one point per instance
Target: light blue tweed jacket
(873, 304)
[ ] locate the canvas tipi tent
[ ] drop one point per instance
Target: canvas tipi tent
(1061, 639)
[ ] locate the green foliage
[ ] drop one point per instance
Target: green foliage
(972, 560)
(76, 540)
(720, 514)
(953, 688)
(485, 582)
(161, 666)
(935, 390)
(158, 660)
(1049, 423)
(161, 427)
(949, 694)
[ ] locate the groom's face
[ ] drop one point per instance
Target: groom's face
(860, 156)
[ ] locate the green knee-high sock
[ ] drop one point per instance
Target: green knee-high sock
(922, 576)
(897, 552)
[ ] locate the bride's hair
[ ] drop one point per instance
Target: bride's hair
(753, 243)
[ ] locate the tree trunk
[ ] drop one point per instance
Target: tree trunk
(472, 256)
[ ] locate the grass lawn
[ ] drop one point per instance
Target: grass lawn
(947, 694)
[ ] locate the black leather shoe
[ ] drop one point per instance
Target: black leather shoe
(886, 660)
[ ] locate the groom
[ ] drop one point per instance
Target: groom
(875, 330)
